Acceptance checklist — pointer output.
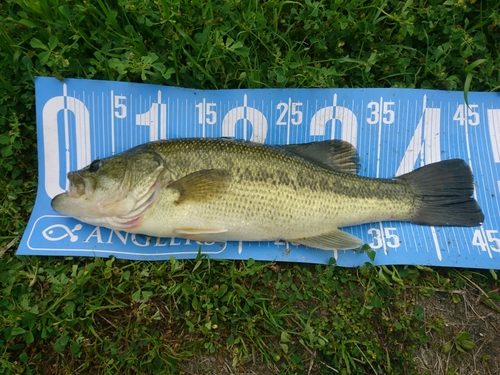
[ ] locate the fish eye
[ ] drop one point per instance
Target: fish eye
(95, 165)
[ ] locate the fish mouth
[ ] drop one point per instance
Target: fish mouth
(73, 202)
(123, 210)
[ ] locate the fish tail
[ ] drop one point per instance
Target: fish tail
(444, 191)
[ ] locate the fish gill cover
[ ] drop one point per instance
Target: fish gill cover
(394, 130)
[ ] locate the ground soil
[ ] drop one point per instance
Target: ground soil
(446, 314)
(465, 313)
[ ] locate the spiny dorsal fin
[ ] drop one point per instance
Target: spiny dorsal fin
(335, 154)
(202, 185)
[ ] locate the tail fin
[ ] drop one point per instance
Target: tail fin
(445, 190)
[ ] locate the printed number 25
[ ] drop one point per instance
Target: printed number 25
(295, 113)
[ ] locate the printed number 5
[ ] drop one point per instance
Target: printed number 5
(120, 108)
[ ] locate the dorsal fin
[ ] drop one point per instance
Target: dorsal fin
(334, 154)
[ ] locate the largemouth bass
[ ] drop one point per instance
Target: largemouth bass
(222, 190)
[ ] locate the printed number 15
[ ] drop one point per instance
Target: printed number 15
(206, 113)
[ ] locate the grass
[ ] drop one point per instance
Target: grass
(74, 315)
(109, 316)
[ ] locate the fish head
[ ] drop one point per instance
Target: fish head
(115, 191)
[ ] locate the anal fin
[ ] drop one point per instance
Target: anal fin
(336, 240)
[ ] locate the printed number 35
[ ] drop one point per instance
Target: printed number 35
(389, 237)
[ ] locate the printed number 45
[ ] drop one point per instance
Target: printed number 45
(486, 240)
(468, 115)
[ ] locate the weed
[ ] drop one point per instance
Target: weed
(460, 342)
(71, 315)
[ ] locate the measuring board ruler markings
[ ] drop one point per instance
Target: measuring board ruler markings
(394, 130)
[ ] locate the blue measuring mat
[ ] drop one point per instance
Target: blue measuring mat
(394, 130)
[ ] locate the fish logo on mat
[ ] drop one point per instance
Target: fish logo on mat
(61, 231)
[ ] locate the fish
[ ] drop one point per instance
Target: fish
(218, 189)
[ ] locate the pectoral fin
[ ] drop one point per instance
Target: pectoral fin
(336, 240)
(201, 186)
(200, 230)
(200, 234)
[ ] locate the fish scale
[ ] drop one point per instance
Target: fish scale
(283, 194)
(221, 189)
